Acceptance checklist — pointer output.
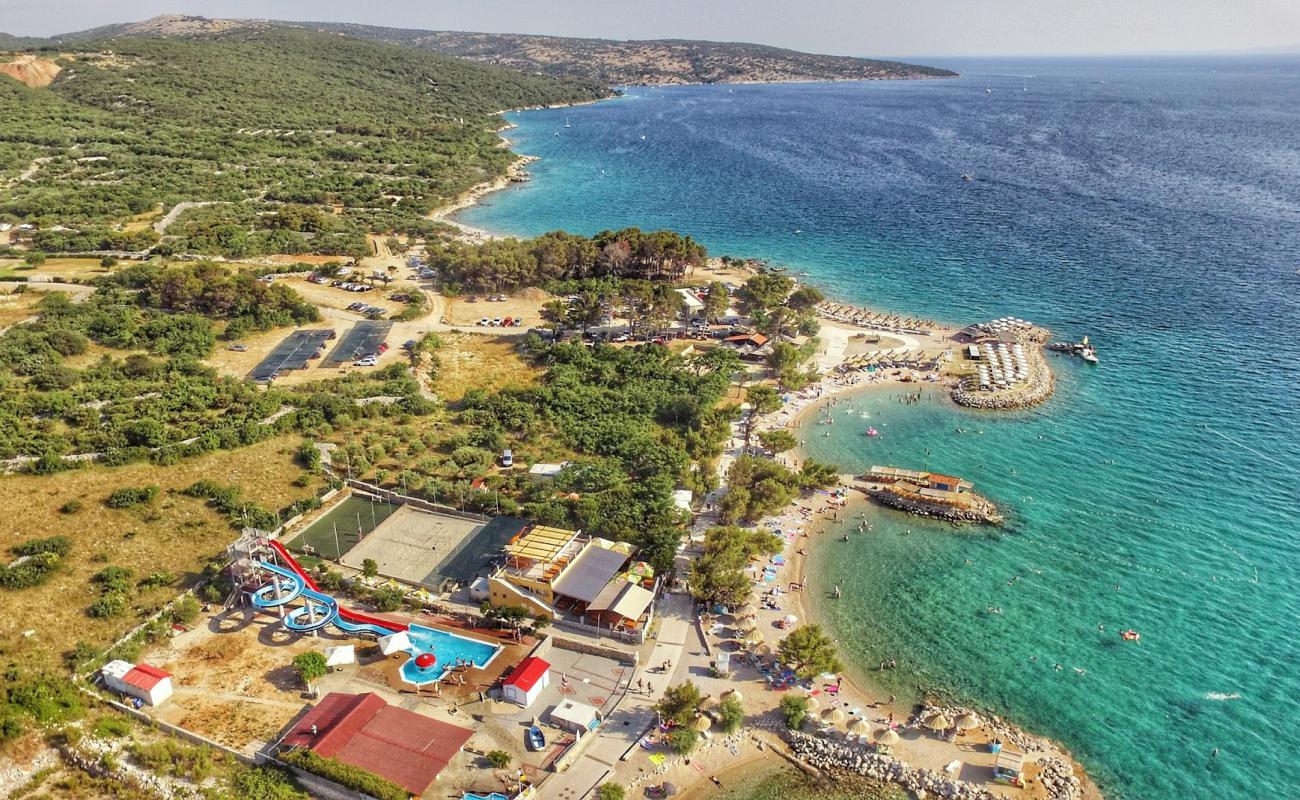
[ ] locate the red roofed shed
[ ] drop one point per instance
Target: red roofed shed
(527, 681)
(406, 748)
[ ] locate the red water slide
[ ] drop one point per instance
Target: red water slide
(355, 617)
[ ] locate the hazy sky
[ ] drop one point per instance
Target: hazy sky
(851, 27)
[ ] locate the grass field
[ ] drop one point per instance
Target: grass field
(472, 361)
(174, 534)
(342, 527)
(17, 307)
(67, 267)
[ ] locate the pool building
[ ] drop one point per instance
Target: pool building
(576, 579)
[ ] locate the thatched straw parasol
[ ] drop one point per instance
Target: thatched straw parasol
(753, 637)
(763, 650)
(886, 737)
(747, 610)
(813, 702)
(859, 727)
(701, 723)
(967, 721)
(734, 693)
(833, 716)
(708, 701)
(938, 722)
(746, 625)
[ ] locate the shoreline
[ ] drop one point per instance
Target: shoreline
(832, 387)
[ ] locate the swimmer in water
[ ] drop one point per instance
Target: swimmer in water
(1057, 667)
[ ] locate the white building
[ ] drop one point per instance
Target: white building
(545, 472)
(527, 681)
(578, 718)
(147, 683)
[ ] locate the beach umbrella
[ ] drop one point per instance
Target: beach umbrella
(701, 723)
(734, 693)
(791, 619)
(967, 721)
(747, 610)
(859, 727)
(833, 716)
(753, 637)
(708, 701)
(886, 737)
(747, 625)
(813, 703)
(763, 650)
(938, 722)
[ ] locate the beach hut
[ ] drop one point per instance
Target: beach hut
(886, 737)
(859, 727)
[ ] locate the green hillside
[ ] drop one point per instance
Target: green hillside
(258, 115)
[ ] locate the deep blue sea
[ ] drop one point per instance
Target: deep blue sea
(1153, 206)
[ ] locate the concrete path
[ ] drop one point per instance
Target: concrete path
(620, 733)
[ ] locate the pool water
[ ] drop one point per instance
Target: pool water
(448, 647)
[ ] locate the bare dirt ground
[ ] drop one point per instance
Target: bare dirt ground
(30, 70)
(174, 534)
(527, 304)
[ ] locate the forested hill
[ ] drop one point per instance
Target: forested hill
(260, 115)
(607, 61)
(625, 63)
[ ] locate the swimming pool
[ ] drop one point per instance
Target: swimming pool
(448, 647)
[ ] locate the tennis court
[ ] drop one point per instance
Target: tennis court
(292, 353)
(339, 530)
(363, 340)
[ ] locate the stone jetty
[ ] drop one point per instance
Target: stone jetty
(832, 757)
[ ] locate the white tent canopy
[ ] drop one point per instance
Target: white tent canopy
(394, 643)
(338, 656)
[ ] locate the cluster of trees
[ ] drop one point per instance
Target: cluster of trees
(260, 117)
(779, 309)
(758, 487)
(217, 293)
(37, 560)
(500, 265)
(811, 651)
(238, 230)
(718, 573)
(354, 778)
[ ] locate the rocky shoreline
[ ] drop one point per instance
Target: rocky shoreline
(981, 511)
(1041, 386)
(835, 758)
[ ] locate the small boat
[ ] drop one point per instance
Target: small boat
(872, 432)
(1130, 635)
(566, 124)
(536, 741)
(1089, 355)
(966, 176)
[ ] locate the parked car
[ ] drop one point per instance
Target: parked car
(485, 321)
(238, 348)
(507, 322)
(409, 344)
(508, 458)
(496, 322)
(367, 361)
(622, 337)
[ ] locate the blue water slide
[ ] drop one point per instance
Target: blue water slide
(318, 611)
(365, 627)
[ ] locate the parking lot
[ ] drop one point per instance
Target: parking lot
(363, 340)
(292, 353)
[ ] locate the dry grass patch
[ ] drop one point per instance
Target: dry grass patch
(15, 308)
(470, 361)
(174, 534)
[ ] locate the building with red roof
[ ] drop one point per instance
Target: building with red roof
(527, 681)
(402, 746)
(142, 681)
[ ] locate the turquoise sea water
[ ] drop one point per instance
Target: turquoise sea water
(1155, 207)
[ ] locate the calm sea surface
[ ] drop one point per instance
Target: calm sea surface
(1154, 207)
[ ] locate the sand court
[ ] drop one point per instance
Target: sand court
(413, 544)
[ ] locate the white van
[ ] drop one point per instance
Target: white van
(507, 458)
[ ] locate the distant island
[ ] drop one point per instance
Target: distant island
(611, 62)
